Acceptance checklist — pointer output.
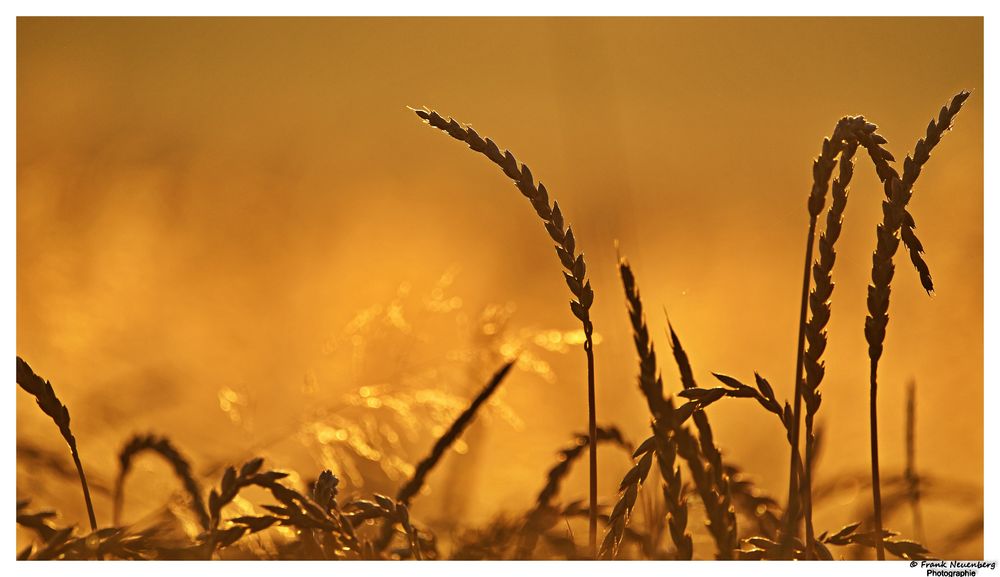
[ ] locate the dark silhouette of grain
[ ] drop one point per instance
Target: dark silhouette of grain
(50, 404)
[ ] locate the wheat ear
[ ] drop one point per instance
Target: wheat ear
(898, 190)
(576, 267)
(815, 330)
(163, 447)
(416, 482)
(47, 400)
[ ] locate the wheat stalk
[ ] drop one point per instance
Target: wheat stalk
(163, 447)
(575, 273)
(822, 172)
(910, 470)
(894, 215)
(50, 404)
(815, 329)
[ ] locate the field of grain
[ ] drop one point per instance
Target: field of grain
(275, 302)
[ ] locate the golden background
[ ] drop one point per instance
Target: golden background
(205, 205)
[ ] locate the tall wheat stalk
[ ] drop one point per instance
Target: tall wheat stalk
(822, 171)
(815, 330)
(50, 404)
(575, 273)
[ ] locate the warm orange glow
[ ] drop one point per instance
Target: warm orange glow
(233, 232)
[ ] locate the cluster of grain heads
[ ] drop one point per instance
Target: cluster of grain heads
(50, 404)
(165, 449)
(666, 422)
(672, 438)
(895, 219)
(573, 263)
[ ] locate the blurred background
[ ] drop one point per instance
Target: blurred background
(233, 232)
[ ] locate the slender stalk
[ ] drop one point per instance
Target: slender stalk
(86, 489)
(876, 484)
(910, 472)
(592, 422)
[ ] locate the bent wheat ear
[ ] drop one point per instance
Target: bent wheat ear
(573, 263)
(164, 448)
(894, 218)
(50, 404)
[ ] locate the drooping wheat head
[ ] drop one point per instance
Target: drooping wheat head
(894, 215)
(573, 263)
(50, 404)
